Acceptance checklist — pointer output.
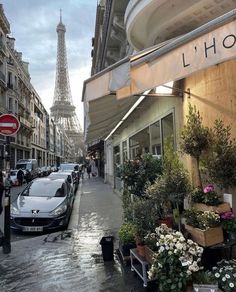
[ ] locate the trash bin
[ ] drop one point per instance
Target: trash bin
(107, 248)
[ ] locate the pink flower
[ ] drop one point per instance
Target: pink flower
(208, 188)
(227, 215)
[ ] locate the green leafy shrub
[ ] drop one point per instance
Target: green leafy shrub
(138, 172)
(127, 233)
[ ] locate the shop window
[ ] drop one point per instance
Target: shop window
(167, 128)
(117, 160)
(155, 130)
(124, 151)
(139, 143)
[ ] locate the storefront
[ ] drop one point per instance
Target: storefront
(202, 61)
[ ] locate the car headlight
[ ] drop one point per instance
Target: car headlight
(14, 210)
(59, 210)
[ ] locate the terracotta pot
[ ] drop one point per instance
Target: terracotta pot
(141, 250)
(168, 221)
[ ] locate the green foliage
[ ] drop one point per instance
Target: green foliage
(175, 178)
(144, 215)
(221, 157)
(136, 173)
(228, 221)
(127, 233)
(204, 277)
(195, 137)
(210, 198)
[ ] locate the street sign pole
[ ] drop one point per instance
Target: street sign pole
(6, 246)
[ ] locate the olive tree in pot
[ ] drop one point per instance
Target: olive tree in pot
(195, 138)
(220, 160)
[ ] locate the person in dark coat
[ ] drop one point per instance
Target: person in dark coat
(20, 176)
(28, 176)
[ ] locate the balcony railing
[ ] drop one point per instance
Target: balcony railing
(25, 122)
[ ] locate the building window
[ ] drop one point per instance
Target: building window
(168, 128)
(117, 160)
(139, 143)
(10, 104)
(155, 130)
(124, 151)
(143, 142)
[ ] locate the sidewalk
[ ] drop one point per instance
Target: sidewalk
(72, 261)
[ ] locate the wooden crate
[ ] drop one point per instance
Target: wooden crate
(149, 254)
(207, 237)
(221, 208)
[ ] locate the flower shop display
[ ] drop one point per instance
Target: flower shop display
(228, 220)
(175, 260)
(208, 200)
(204, 227)
(126, 236)
(225, 274)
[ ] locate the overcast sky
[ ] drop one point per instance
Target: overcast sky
(33, 25)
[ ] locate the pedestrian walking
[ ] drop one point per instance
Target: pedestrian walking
(20, 176)
(89, 168)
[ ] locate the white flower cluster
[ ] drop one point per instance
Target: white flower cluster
(173, 244)
(225, 274)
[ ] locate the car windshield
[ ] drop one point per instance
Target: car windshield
(42, 188)
(13, 172)
(23, 166)
(66, 167)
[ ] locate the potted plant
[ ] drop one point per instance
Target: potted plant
(204, 281)
(204, 227)
(126, 236)
(220, 160)
(229, 224)
(195, 139)
(175, 261)
(208, 200)
(136, 173)
(225, 274)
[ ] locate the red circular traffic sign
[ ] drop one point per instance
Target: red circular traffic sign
(9, 125)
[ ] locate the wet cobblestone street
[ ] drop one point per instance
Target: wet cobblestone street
(65, 261)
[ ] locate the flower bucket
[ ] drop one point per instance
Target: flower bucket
(208, 237)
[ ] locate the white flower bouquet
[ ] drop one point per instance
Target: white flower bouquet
(175, 260)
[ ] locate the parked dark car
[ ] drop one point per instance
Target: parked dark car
(74, 169)
(45, 204)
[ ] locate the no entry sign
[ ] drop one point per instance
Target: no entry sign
(9, 125)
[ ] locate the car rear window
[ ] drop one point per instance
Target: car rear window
(45, 189)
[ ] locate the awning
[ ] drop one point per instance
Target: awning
(208, 45)
(102, 109)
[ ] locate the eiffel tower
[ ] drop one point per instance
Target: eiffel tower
(63, 110)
